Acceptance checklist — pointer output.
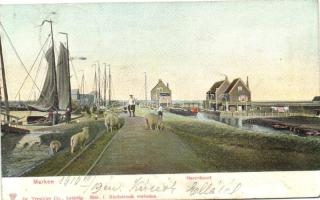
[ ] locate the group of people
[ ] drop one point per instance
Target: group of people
(54, 117)
(132, 107)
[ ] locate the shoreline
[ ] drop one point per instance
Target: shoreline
(299, 125)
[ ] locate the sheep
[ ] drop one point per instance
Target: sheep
(55, 146)
(160, 125)
(153, 121)
(112, 120)
(79, 139)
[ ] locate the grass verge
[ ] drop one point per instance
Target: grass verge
(228, 149)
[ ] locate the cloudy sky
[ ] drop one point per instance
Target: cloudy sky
(190, 45)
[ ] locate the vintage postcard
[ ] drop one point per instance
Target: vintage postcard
(160, 100)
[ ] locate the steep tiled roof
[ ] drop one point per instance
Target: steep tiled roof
(215, 86)
(316, 98)
(161, 83)
(232, 85)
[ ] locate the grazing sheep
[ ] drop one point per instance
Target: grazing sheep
(160, 125)
(152, 121)
(111, 121)
(79, 139)
(55, 146)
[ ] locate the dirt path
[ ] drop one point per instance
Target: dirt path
(137, 150)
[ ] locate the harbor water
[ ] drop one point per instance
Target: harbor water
(239, 122)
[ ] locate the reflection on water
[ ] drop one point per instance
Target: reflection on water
(238, 122)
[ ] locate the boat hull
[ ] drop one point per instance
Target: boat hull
(5, 128)
(183, 112)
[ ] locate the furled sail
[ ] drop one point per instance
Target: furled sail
(48, 99)
(63, 79)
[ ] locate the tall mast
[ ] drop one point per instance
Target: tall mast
(145, 86)
(99, 85)
(69, 75)
(56, 99)
(4, 84)
(105, 85)
(82, 89)
(68, 70)
(109, 86)
(95, 84)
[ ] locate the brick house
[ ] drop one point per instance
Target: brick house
(224, 95)
(215, 95)
(161, 93)
(238, 94)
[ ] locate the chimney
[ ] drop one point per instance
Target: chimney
(160, 80)
(248, 81)
(226, 78)
(167, 85)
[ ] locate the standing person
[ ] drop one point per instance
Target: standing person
(132, 105)
(68, 115)
(55, 117)
(160, 111)
(50, 116)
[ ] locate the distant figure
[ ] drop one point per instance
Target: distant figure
(50, 116)
(160, 111)
(68, 115)
(132, 105)
(55, 117)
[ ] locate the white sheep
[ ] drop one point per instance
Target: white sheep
(79, 139)
(153, 121)
(111, 121)
(55, 146)
(160, 125)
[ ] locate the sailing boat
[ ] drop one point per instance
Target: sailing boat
(55, 95)
(5, 125)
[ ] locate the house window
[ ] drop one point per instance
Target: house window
(239, 88)
(243, 98)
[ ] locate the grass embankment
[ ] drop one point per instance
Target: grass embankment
(224, 148)
(79, 166)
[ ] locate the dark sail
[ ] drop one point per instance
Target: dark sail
(63, 79)
(48, 99)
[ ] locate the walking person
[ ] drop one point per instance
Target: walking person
(160, 111)
(132, 105)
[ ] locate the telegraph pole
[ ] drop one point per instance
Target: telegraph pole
(99, 86)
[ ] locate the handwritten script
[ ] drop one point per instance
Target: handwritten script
(149, 185)
(212, 188)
